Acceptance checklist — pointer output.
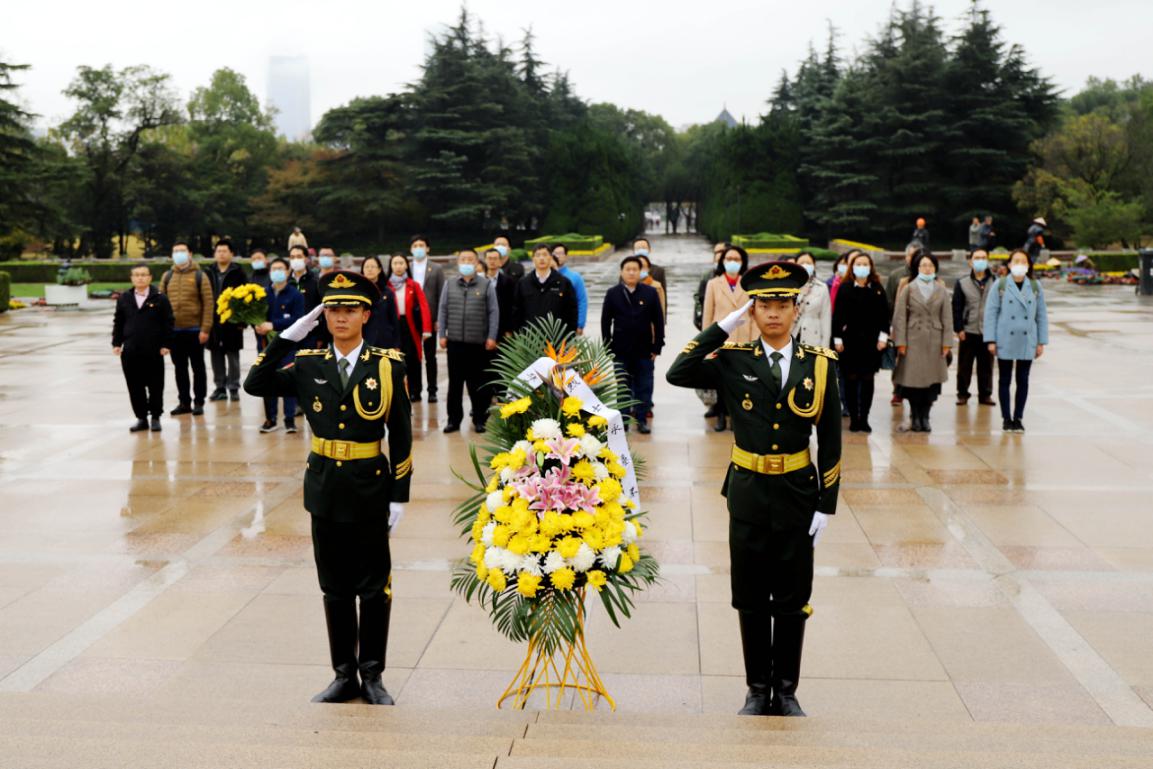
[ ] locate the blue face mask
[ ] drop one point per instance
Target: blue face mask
(180, 258)
(644, 274)
(502, 250)
(467, 270)
(928, 277)
(258, 266)
(278, 276)
(325, 262)
(641, 252)
(732, 268)
(419, 253)
(980, 265)
(860, 271)
(809, 269)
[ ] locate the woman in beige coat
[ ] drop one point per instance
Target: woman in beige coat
(923, 334)
(723, 295)
(813, 323)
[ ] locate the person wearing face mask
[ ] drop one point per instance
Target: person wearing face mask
(510, 267)
(430, 277)
(414, 319)
(326, 260)
(383, 325)
(193, 310)
(723, 295)
(969, 296)
(227, 339)
(1016, 330)
(258, 258)
(649, 279)
(302, 277)
(699, 295)
(813, 324)
(923, 336)
(469, 324)
(642, 247)
(860, 335)
(839, 276)
(633, 328)
(560, 263)
(285, 307)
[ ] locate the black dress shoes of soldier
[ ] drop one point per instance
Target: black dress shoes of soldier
(141, 424)
(375, 614)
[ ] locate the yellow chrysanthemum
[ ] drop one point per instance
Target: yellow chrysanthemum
(594, 538)
(626, 564)
(634, 552)
(609, 490)
(539, 446)
(640, 529)
(516, 459)
(569, 546)
(540, 544)
(518, 544)
(528, 435)
(520, 505)
(563, 578)
(582, 520)
(608, 454)
(507, 493)
(481, 572)
(571, 406)
(552, 524)
(224, 316)
(503, 514)
(477, 554)
(493, 484)
(575, 430)
(616, 469)
(501, 536)
(519, 406)
(596, 420)
(496, 580)
(248, 299)
(527, 584)
(583, 472)
(500, 461)
(597, 579)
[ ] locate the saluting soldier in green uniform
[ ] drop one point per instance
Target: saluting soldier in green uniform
(777, 390)
(350, 392)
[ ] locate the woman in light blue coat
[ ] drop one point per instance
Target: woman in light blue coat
(1017, 330)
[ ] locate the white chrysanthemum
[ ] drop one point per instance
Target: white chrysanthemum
(585, 559)
(506, 475)
(590, 446)
(525, 446)
(494, 557)
(510, 561)
(494, 500)
(553, 561)
(600, 472)
(609, 557)
(630, 535)
(486, 534)
(531, 564)
(544, 429)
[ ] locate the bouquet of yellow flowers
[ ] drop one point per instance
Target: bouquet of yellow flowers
(245, 305)
(556, 504)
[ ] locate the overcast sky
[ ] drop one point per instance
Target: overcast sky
(682, 60)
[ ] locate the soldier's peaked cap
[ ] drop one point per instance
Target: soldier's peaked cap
(774, 280)
(350, 289)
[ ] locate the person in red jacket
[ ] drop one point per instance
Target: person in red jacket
(412, 311)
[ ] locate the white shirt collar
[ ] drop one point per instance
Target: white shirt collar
(785, 351)
(545, 278)
(351, 357)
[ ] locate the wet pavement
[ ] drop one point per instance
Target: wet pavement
(967, 575)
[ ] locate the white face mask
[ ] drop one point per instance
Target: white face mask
(842, 269)
(809, 269)
(1019, 270)
(297, 265)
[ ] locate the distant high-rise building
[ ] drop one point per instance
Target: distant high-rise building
(288, 93)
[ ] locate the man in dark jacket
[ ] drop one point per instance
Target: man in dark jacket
(430, 277)
(142, 331)
(544, 291)
(969, 295)
(285, 307)
(469, 323)
(633, 327)
(226, 339)
(508, 266)
(505, 290)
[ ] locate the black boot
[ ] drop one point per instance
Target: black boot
(711, 411)
(340, 616)
(722, 423)
(925, 426)
(375, 613)
(756, 646)
(788, 640)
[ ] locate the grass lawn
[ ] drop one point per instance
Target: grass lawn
(36, 290)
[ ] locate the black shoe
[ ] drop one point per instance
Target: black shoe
(183, 408)
(299, 412)
(643, 427)
(218, 395)
(963, 400)
(925, 426)
(141, 424)
(1017, 426)
(290, 425)
(234, 395)
(414, 398)
(756, 702)
(155, 424)
(987, 401)
(452, 427)
(340, 619)
(854, 426)
(756, 649)
(864, 425)
(375, 614)
(198, 410)
(722, 424)
(478, 427)
(711, 412)
(788, 643)
(432, 397)
(268, 426)
(1006, 425)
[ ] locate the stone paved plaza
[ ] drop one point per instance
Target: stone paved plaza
(968, 575)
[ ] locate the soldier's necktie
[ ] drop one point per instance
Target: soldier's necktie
(343, 365)
(775, 370)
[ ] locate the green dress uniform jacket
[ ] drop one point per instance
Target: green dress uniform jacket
(770, 513)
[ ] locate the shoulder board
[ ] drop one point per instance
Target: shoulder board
(820, 350)
(387, 352)
(311, 352)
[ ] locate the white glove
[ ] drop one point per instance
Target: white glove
(304, 325)
(820, 521)
(395, 513)
(735, 318)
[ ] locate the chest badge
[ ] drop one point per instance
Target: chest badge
(747, 404)
(807, 384)
(370, 383)
(317, 406)
(800, 353)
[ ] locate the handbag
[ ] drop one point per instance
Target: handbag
(889, 356)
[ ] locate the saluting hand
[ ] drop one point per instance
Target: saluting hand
(303, 325)
(735, 318)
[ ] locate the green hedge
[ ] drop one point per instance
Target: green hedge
(5, 291)
(571, 240)
(1113, 261)
(769, 240)
(101, 272)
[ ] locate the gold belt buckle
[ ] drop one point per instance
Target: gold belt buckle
(776, 463)
(340, 449)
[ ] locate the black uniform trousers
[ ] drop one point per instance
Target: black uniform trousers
(187, 351)
(430, 365)
(973, 348)
(144, 374)
(352, 559)
(467, 362)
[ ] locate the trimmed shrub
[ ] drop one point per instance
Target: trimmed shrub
(100, 272)
(768, 240)
(573, 241)
(1114, 261)
(5, 291)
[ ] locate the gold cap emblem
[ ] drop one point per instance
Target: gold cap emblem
(341, 281)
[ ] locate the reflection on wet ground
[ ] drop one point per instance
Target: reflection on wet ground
(968, 574)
